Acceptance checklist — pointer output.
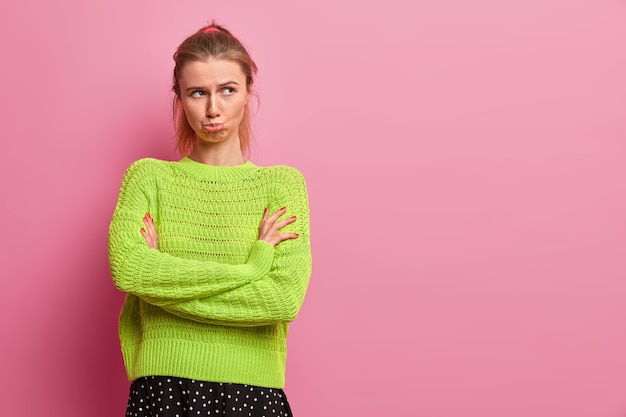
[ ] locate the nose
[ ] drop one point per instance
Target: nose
(212, 109)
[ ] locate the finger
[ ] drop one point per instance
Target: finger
(277, 214)
(284, 236)
(149, 232)
(149, 229)
(146, 235)
(266, 218)
(149, 222)
(267, 223)
(271, 225)
(280, 224)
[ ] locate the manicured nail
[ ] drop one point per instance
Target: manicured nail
(297, 235)
(293, 217)
(143, 230)
(282, 208)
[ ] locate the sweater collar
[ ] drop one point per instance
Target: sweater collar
(215, 172)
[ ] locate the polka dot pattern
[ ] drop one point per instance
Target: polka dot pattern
(163, 396)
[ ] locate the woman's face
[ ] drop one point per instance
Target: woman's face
(213, 94)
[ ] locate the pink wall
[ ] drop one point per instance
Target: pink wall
(465, 161)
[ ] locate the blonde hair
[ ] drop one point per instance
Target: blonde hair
(218, 43)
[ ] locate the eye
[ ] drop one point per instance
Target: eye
(197, 93)
(227, 91)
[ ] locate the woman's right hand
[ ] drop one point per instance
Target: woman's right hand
(270, 226)
(149, 232)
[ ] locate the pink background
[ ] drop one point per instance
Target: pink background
(465, 162)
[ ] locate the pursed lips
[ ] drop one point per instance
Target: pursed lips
(212, 126)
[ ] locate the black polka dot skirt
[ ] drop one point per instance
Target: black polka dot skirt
(163, 396)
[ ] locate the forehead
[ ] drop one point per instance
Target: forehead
(212, 71)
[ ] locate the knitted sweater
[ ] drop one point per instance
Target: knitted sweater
(213, 302)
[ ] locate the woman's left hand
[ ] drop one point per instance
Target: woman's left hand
(149, 232)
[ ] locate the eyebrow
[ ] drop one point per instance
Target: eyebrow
(220, 85)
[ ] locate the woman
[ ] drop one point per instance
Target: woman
(212, 251)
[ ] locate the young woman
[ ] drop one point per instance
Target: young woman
(212, 251)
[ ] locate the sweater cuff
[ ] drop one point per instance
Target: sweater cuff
(260, 259)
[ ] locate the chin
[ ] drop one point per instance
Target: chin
(216, 137)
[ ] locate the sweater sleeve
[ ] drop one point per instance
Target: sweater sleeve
(279, 294)
(157, 277)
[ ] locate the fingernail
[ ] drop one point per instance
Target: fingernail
(293, 217)
(282, 208)
(142, 230)
(297, 235)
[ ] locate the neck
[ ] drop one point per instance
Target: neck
(227, 153)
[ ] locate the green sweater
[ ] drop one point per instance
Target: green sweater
(213, 303)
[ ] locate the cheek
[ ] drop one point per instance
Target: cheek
(191, 111)
(241, 107)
